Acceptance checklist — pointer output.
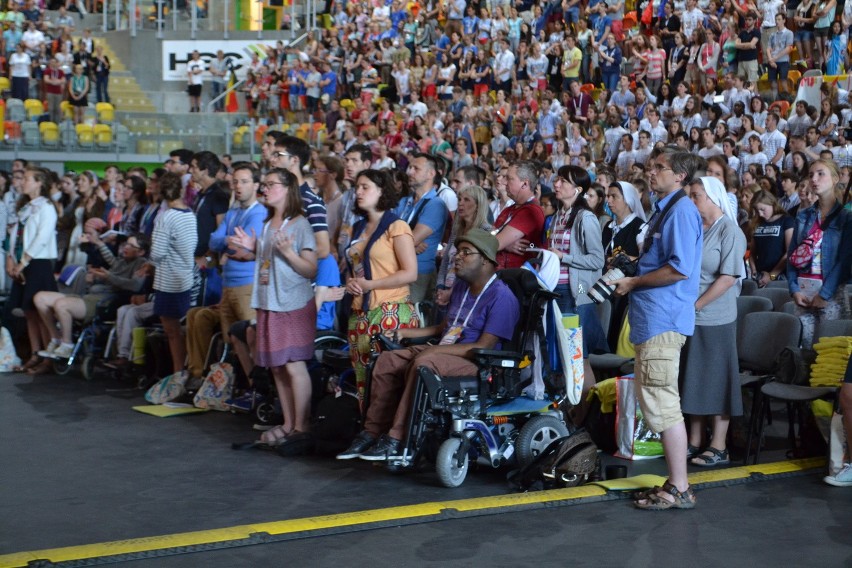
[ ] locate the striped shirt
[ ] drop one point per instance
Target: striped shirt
(314, 209)
(172, 247)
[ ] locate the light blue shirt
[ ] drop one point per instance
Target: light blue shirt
(237, 273)
(430, 210)
(678, 243)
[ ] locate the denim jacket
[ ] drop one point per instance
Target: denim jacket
(836, 249)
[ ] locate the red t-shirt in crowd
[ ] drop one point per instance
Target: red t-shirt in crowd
(527, 218)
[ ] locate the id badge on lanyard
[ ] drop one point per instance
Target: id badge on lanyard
(263, 274)
(452, 336)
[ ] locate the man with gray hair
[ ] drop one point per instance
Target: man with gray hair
(662, 314)
(522, 223)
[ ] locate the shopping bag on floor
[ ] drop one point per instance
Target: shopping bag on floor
(8, 357)
(216, 388)
(634, 437)
(168, 389)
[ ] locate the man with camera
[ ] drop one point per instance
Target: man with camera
(662, 313)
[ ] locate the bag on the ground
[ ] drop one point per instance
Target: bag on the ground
(634, 437)
(566, 462)
(217, 388)
(8, 357)
(337, 418)
(168, 389)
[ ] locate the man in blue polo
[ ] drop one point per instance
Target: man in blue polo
(662, 314)
(427, 214)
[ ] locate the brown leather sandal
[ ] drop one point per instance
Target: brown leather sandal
(654, 501)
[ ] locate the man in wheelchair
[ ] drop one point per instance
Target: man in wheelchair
(120, 279)
(483, 312)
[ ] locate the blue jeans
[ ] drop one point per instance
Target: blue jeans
(610, 80)
(218, 89)
(594, 337)
(101, 88)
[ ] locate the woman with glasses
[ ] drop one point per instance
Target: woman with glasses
(575, 237)
(382, 263)
(285, 264)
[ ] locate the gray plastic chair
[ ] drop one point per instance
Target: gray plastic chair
(749, 287)
(778, 296)
(749, 305)
(796, 395)
(764, 335)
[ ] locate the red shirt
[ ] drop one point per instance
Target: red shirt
(527, 218)
(54, 74)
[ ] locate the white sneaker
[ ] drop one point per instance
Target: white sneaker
(63, 351)
(50, 352)
(842, 478)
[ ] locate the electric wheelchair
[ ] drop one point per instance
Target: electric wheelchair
(487, 419)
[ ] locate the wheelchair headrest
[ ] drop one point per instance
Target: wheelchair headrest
(522, 283)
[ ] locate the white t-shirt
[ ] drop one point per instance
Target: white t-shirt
(20, 64)
(194, 77)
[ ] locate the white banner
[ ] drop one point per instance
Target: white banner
(177, 52)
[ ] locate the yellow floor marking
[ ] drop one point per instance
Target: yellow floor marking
(293, 526)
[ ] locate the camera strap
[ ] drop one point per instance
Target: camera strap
(649, 236)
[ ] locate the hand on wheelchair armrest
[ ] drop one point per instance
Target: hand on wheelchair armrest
(390, 345)
(485, 355)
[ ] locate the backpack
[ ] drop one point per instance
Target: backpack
(337, 419)
(567, 462)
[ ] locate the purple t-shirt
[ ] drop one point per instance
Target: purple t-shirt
(497, 312)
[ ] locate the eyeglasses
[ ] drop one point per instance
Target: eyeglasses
(661, 168)
(464, 253)
(321, 171)
(282, 155)
(267, 184)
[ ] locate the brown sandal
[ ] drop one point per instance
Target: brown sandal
(31, 362)
(274, 436)
(653, 500)
(42, 368)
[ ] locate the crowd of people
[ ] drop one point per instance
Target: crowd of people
(471, 142)
(43, 60)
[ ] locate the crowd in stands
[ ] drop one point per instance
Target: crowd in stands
(448, 120)
(43, 61)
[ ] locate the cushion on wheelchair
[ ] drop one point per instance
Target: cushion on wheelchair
(520, 405)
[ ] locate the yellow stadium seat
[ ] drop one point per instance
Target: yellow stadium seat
(5, 84)
(85, 135)
(34, 108)
(67, 110)
(49, 133)
(347, 104)
(106, 112)
(103, 135)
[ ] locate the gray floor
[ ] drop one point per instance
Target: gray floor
(80, 467)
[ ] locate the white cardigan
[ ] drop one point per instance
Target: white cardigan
(40, 229)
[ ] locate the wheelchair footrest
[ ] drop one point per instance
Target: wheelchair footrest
(520, 405)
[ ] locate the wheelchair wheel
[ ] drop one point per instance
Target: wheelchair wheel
(61, 366)
(265, 412)
(536, 435)
(328, 340)
(447, 465)
(88, 367)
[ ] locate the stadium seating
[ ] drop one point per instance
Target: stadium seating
(85, 135)
(15, 111)
(49, 134)
(103, 135)
(30, 134)
(34, 108)
(106, 112)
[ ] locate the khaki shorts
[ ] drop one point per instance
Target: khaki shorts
(657, 368)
